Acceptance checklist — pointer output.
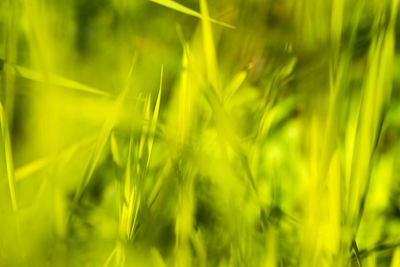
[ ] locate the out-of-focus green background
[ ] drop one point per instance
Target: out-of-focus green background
(199, 133)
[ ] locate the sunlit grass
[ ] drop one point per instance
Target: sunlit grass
(199, 133)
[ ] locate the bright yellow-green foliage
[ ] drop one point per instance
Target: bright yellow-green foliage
(199, 133)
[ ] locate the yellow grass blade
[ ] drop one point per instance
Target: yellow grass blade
(8, 158)
(145, 127)
(234, 85)
(115, 150)
(154, 120)
(209, 48)
(395, 258)
(128, 174)
(181, 8)
(57, 80)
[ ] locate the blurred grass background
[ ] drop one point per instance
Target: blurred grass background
(199, 133)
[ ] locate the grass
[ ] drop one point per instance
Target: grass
(269, 137)
(8, 162)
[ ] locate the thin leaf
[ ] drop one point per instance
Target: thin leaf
(8, 158)
(181, 8)
(57, 80)
(154, 120)
(115, 150)
(209, 48)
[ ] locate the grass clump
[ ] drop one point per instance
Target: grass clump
(270, 136)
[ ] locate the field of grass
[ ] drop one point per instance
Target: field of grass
(199, 133)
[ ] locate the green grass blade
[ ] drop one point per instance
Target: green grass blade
(57, 80)
(154, 119)
(185, 10)
(8, 158)
(234, 85)
(115, 150)
(209, 48)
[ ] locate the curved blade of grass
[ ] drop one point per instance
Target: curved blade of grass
(57, 80)
(181, 8)
(209, 48)
(154, 120)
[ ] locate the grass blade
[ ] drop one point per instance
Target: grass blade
(8, 158)
(185, 10)
(154, 119)
(209, 48)
(57, 80)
